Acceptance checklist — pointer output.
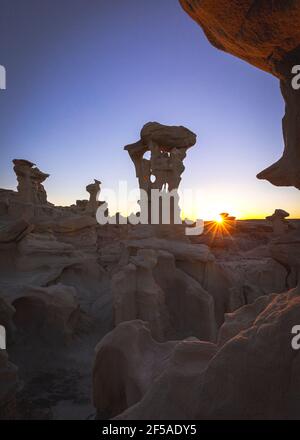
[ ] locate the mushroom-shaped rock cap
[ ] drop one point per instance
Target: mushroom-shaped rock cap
(261, 32)
(39, 175)
(23, 162)
(278, 214)
(92, 186)
(168, 137)
(138, 146)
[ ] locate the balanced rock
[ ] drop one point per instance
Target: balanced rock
(280, 225)
(94, 190)
(167, 137)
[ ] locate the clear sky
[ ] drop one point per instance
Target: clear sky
(83, 76)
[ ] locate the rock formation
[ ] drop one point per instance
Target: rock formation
(280, 225)
(150, 287)
(137, 295)
(286, 250)
(50, 313)
(251, 371)
(30, 179)
(226, 217)
(38, 177)
(68, 283)
(136, 371)
(94, 190)
(122, 377)
(252, 374)
(167, 146)
(265, 34)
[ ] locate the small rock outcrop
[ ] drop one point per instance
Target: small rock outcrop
(30, 179)
(280, 225)
(94, 190)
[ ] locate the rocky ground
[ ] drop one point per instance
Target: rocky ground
(159, 306)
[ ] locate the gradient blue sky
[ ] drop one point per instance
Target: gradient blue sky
(84, 76)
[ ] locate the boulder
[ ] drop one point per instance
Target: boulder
(167, 137)
(280, 225)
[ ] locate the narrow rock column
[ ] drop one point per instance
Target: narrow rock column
(23, 170)
(94, 190)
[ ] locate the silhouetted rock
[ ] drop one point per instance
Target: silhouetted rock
(30, 179)
(266, 34)
(280, 225)
(167, 146)
(167, 137)
(94, 190)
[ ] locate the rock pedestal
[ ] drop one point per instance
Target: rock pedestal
(94, 190)
(162, 172)
(30, 179)
(280, 225)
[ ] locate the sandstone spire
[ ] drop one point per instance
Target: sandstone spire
(167, 146)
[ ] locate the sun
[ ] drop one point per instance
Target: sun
(219, 219)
